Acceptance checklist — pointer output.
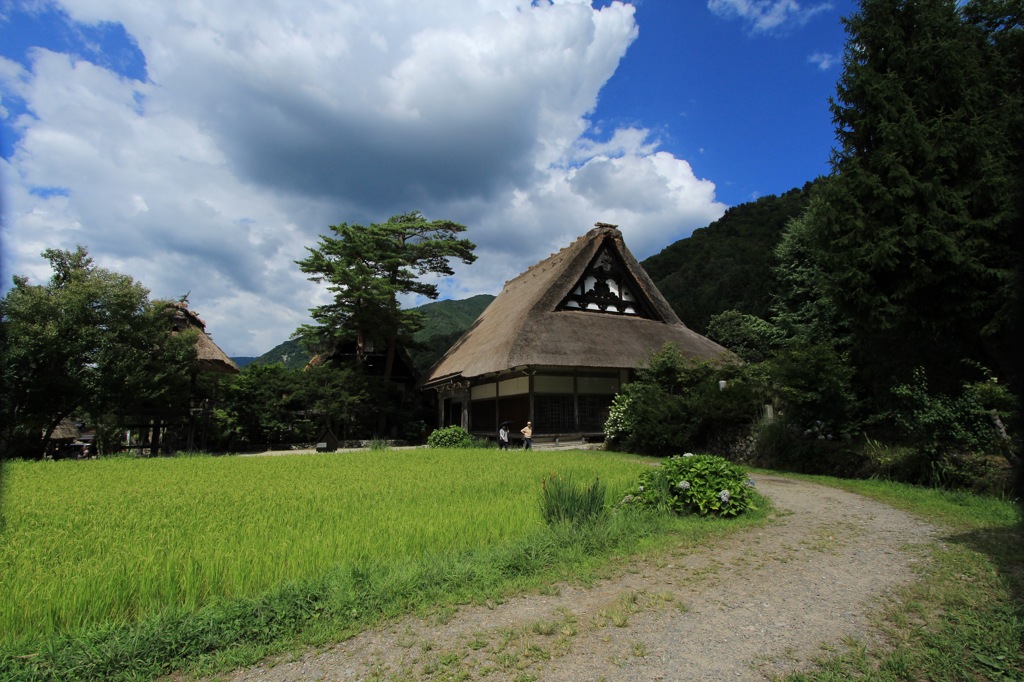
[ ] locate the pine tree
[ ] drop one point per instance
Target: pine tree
(367, 269)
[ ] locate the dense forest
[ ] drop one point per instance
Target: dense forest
(876, 308)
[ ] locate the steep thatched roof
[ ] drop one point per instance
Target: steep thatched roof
(211, 357)
(528, 324)
(66, 430)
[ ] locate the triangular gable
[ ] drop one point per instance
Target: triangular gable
(608, 286)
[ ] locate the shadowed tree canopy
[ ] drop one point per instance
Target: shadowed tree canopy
(88, 341)
(917, 230)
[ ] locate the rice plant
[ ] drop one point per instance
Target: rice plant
(563, 501)
(119, 540)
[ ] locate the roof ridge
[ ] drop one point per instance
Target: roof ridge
(551, 259)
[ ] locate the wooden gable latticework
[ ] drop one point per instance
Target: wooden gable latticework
(607, 286)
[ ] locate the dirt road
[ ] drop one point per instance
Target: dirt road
(760, 603)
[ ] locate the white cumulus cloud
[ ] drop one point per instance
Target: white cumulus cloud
(258, 125)
(823, 60)
(767, 15)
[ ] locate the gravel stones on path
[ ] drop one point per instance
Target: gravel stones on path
(762, 602)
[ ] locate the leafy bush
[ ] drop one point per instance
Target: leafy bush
(750, 337)
(645, 418)
(780, 444)
(562, 501)
(954, 434)
(813, 385)
(695, 484)
(450, 437)
(678, 403)
(941, 425)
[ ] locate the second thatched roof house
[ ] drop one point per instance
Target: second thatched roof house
(209, 355)
(560, 341)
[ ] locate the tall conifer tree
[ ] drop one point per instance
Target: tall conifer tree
(368, 268)
(915, 227)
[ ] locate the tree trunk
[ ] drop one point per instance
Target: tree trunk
(389, 365)
(1005, 444)
(49, 432)
(360, 345)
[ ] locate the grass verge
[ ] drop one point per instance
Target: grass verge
(963, 619)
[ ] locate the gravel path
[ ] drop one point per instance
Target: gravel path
(763, 602)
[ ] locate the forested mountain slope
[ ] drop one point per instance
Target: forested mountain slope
(444, 322)
(726, 265)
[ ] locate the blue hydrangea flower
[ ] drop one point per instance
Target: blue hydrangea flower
(750, 483)
(683, 485)
(724, 496)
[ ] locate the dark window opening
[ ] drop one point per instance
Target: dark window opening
(553, 414)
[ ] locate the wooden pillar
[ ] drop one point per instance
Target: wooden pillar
(531, 416)
(575, 401)
(154, 443)
(497, 404)
(146, 436)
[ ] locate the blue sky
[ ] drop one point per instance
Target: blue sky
(201, 147)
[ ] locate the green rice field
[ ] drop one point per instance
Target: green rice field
(120, 540)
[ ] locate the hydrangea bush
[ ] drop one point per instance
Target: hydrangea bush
(695, 484)
(450, 437)
(620, 422)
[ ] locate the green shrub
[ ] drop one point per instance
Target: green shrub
(952, 434)
(450, 437)
(782, 445)
(695, 484)
(942, 425)
(971, 471)
(678, 403)
(750, 337)
(813, 388)
(562, 501)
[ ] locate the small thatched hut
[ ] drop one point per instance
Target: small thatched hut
(560, 341)
(185, 426)
(67, 440)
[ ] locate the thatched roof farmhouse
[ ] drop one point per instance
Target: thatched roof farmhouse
(560, 341)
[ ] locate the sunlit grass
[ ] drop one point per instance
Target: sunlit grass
(963, 618)
(113, 541)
